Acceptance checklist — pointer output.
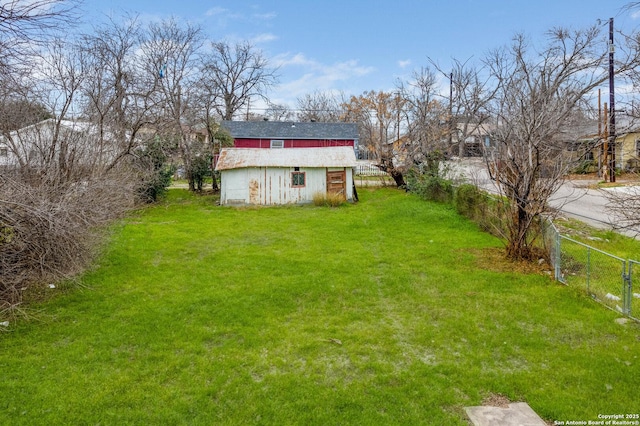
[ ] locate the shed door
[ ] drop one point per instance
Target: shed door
(337, 182)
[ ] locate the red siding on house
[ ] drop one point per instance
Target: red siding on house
(291, 143)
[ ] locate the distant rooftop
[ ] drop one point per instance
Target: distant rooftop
(290, 130)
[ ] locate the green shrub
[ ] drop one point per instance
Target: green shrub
(432, 180)
(154, 170)
(585, 167)
(155, 184)
(430, 187)
(469, 201)
(488, 212)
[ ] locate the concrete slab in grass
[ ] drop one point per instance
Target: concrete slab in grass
(516, 414)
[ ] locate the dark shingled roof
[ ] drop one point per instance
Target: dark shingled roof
(290, 130)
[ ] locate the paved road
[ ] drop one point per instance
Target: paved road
(574, 199)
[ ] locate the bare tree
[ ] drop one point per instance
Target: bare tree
(379, 116)
(278, 112)
(426, 117)
(57, 189)
(536, 95)
(119, 94)
(471, 91)
(624, 203)
(19, 111)
(234, 75)
(319, 106)
(28, 23)
(170, 54)
(49, 150)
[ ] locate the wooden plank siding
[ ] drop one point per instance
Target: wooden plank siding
(273, 185)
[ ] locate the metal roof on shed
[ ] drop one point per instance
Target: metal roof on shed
(238, 158)
(290, 130)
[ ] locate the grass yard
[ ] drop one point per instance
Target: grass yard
(389, 311)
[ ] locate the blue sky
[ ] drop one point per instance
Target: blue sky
(353, 46)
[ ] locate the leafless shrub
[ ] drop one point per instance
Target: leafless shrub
(539, 94)
(624, 204)
(47, 227)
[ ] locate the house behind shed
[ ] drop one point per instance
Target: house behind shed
(284, 176)
(286, 134)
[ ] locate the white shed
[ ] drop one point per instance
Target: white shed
(284, 176)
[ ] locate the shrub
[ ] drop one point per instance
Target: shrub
(487, 211)
(430, 187)
(321, 199)
(154, 185)
(49, 229)
(585, 167)
(154, 171)
(470, 202)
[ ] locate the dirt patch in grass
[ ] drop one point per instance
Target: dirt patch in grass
(501, 401)
(496, 400)
(494, 259)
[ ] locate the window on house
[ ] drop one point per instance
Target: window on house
(298, 179)
(4, 151)
(277, 143)
(638, 148)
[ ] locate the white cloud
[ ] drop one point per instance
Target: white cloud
(263, 38)
(315, 75)
(265, 16)
(215, 11)
(338, 70)
(286, 60)
(404, 64)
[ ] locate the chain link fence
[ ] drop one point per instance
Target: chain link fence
(634, 295)
(607, 278)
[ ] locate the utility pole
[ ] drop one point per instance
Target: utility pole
(398, 106)
(605, 137)
(600, 141)
(461, 152)
(612, 109)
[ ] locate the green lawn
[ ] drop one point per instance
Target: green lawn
(389, 311)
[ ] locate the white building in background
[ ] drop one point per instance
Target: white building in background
(39, 144)
(285, 176)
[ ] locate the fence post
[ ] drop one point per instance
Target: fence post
(588, 268)
(627, 293)
(558, 268)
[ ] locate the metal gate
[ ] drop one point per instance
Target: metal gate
(607, 278)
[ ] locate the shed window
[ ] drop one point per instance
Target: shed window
(277, 143)
(298, 179)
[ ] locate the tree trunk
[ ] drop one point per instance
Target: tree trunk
(398, 178)
(518, 247)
